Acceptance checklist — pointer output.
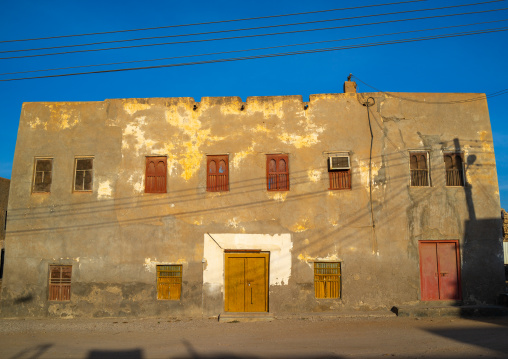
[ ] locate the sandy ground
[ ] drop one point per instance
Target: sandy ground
(287, 338)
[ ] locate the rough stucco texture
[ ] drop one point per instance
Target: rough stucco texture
(115, 235)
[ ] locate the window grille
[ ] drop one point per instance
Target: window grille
(327, 279)
(169, 282)
(155, 179)
(277, 172)
(217, 173)
(60, 282)
(419, 169)
(83, 180)
(454, 165)
(42, 175)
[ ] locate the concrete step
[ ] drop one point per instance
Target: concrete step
(451, 311)
(230, 317)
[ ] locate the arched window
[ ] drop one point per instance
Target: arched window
(277, 172)
(454, 169)
(419, 169)
(217, 176)
(155, 175)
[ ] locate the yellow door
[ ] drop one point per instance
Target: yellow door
(246, 282)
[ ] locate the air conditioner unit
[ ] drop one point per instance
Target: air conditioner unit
(339, 162)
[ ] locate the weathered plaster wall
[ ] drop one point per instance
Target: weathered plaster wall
(4, 197)
(115, 235)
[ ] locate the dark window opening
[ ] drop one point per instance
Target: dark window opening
(84, 174)
(42, 175)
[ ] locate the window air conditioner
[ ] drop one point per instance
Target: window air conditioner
(339, 162)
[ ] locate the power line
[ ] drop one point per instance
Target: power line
(478, 98)
(250, 36)
(255, 49)
(213, 22)
(401, 41)
(247, 29)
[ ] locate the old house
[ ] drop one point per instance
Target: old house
(172, 207)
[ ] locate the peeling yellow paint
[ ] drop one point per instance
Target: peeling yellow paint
(301, 227)
(278, 196)
(363, 167)
(314, 175)
(61, 113)
(487, 145)
(304, 257)
(261, 128)
(134, 130)
(299, 141)
(38, 122)
(235, 162)
(132, 107)
(306, 241)
(105, 190)
(185, 120)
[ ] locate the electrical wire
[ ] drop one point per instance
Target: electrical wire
(250, 36)
(212, 22)
(255, 49)
(245, 29)
(400, 41)
(478, 98)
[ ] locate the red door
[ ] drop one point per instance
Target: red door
(439, 270)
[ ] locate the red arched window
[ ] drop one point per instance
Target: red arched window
(217, 173)
(155, 179)
(277, 172)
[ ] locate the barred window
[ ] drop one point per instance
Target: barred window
(60, 282)
(217, 173)
(419, 169)
(42, 175)
(454, 165)
(339, 171)
(83, 176)
(277, 172)
(169, 282)
(155, 176)
(327, 279)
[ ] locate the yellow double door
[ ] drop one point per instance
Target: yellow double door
(246, 282)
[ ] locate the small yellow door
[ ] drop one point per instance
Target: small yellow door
(246, 282)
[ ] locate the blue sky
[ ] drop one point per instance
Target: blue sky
(476, 64)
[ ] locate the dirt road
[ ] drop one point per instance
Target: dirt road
(287, 338)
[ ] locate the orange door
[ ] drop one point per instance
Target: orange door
(439, 270)
(246, 282)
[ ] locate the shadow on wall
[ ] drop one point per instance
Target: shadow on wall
(117, 354)
(24, 299)
(32, 353)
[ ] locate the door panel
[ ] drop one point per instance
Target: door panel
(439, 270)
(255, 291)
(448, 273)
(428, 271)
(246, 282)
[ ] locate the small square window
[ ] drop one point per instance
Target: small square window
(60, 282)
(155, 179)
(169, 282)
(217, 173)
(83, 175)
(327, 279)
(277, 172)
(454, 164)
(419, 168)
(42, 175)
(339, 171)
